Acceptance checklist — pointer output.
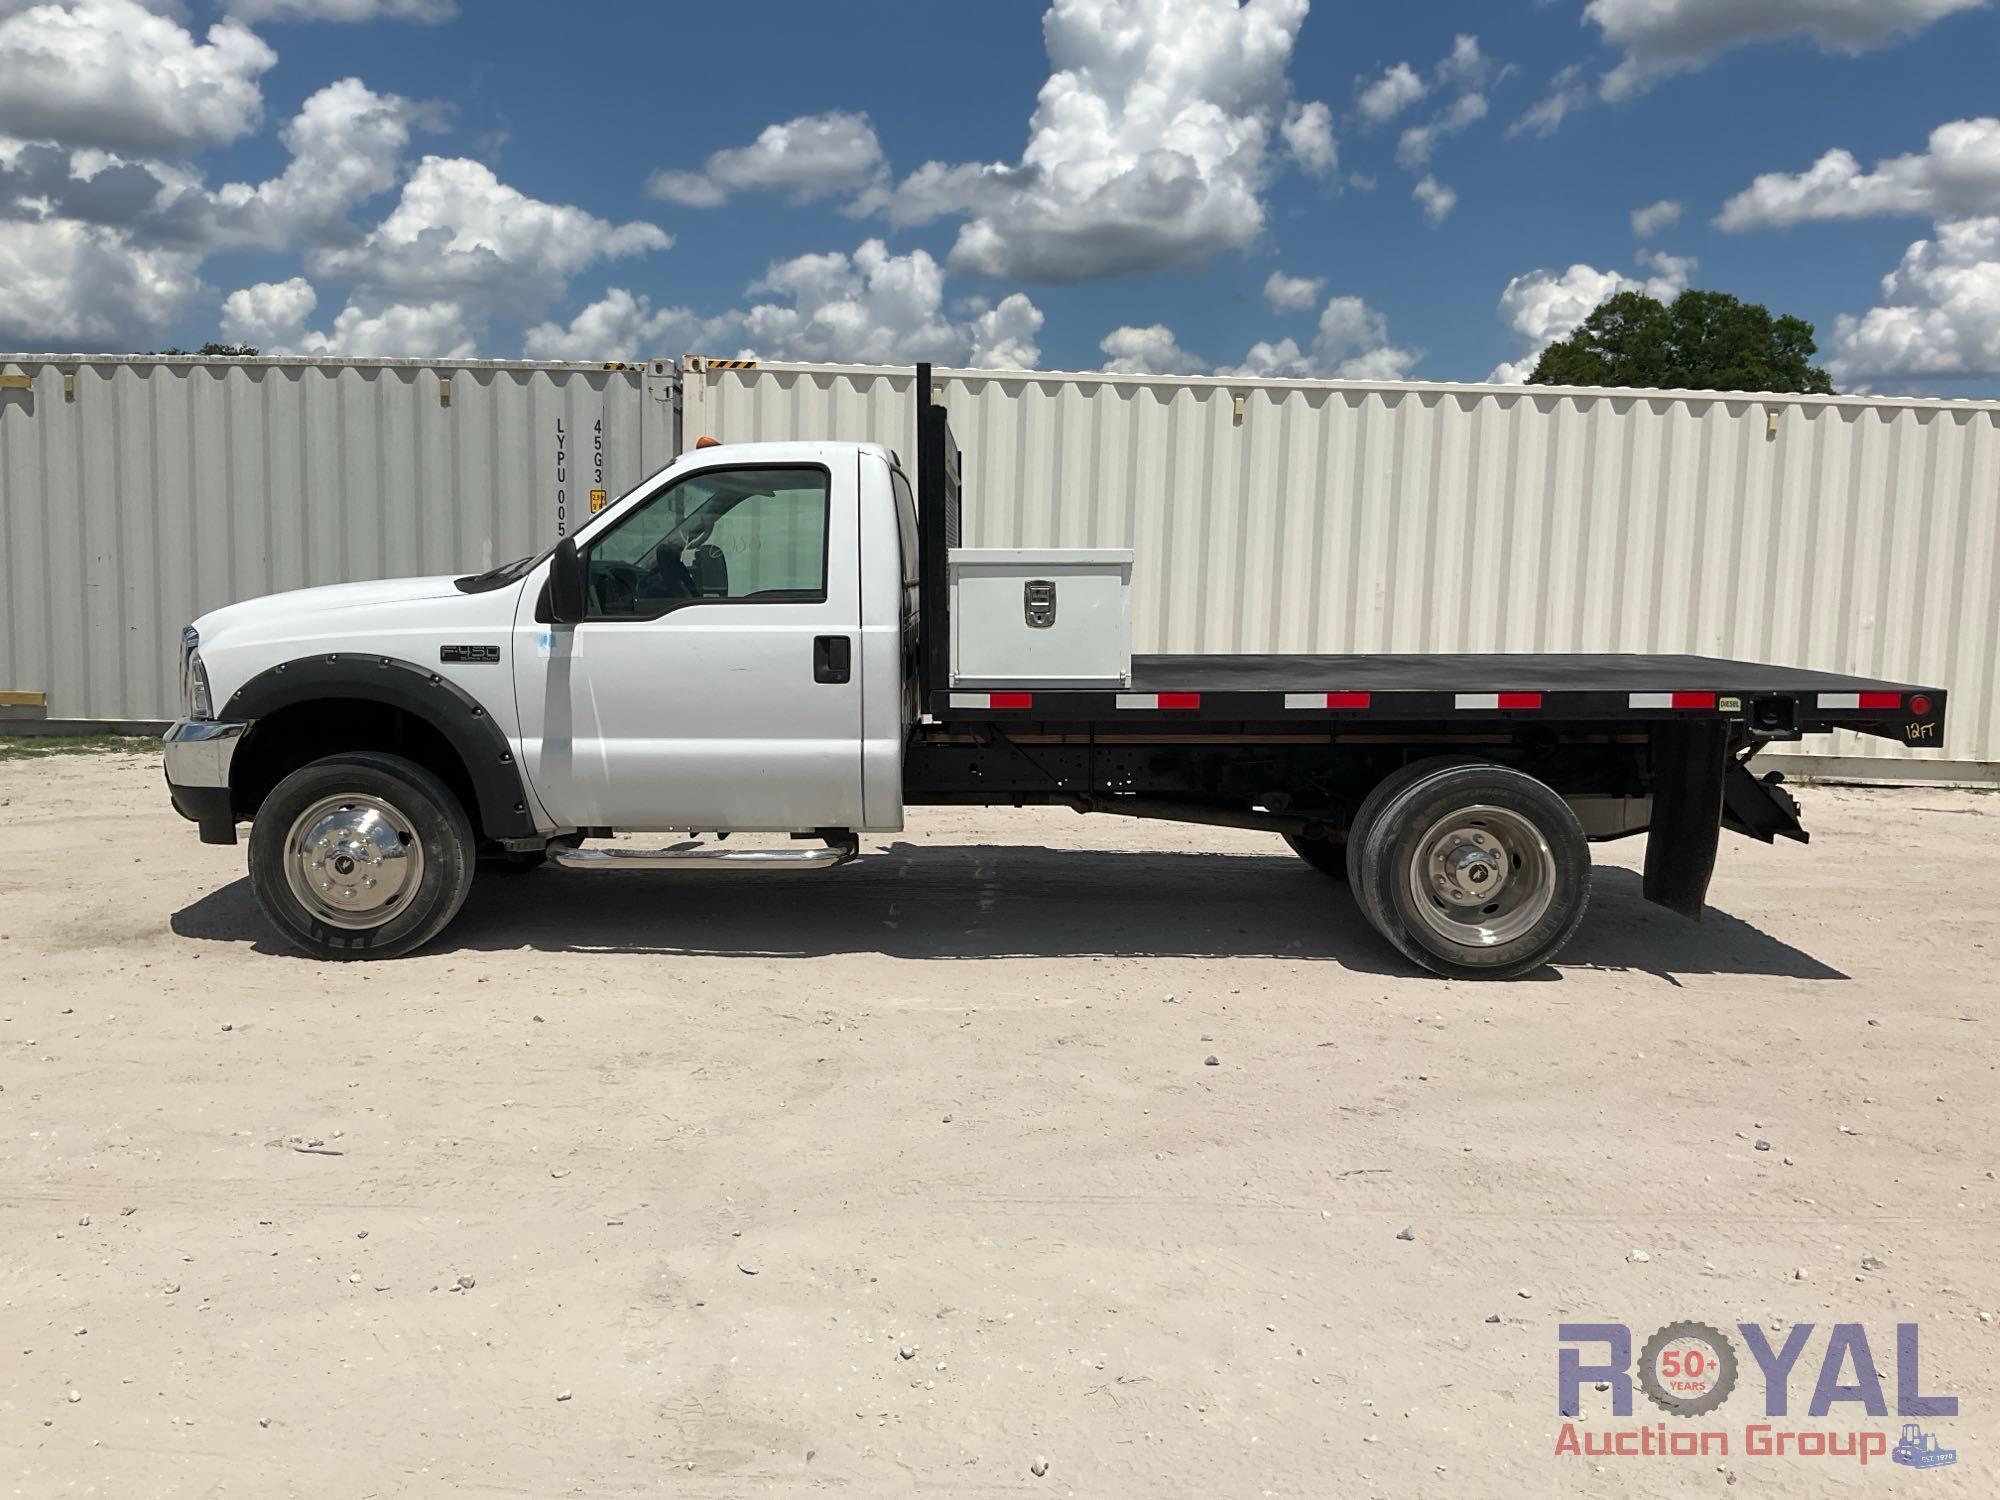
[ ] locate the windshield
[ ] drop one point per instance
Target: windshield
(520, 567)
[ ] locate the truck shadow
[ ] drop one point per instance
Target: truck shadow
(978, 901)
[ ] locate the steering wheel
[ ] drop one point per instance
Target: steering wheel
(614, 586)
(669, 578)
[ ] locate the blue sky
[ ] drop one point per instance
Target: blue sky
(483, 184)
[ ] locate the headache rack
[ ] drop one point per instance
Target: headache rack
(940, 516)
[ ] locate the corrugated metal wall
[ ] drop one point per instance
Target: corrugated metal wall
(136, 493)
(1846, 534)
(1850, 534)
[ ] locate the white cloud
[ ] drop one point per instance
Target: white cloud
(460, 236)
(1958, 177)
(1436, 200)
(430, 330)
(1939, 317)
(1003, 337)
(876, 308)
(1465, 65)
(67, 285)
(270, 314)
(1353, 339)
(814, 156)
(1351, 343)
(429, 11)
(1544, 306)
(870, 307)
(1308, 134)
(1568, 92)
(347, 145)
(1650, 220)
(1414, 150)
(95, 209)
(620, 325)
(118, 75)
(1660, 37)
(1149, 145)
(1292, 293)
(1388, 96)
(1671, 273)
(1148, 351)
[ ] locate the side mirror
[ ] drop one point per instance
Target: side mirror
(566, 584)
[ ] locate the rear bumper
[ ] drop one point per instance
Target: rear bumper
(198, 758)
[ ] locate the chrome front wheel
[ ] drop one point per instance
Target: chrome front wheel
(353, 861)
(361, 855)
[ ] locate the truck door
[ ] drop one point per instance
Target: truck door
(713, 683)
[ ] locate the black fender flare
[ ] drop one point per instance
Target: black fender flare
(454, 713)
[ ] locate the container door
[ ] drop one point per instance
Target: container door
(713, 684)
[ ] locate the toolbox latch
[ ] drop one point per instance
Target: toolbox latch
(1038, 603)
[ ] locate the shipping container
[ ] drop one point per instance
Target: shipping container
(1848, 534)
(139, 492)
(1857, 535)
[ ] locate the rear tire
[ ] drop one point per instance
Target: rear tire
(1324, 855)
(1473, 870)
(1386, 791)
(360, 856)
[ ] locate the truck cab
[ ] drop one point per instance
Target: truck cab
(737, 662)
(745, 609)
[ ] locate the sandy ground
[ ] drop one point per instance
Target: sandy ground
(899, 1178)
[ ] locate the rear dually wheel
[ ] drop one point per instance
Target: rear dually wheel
(1473, 870)
(1324, 855)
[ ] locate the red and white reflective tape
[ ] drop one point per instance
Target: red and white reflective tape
(1160, 700)
(992, 700)
(1673, 700)
(1860, 700)
(1497, 700)
(1326, 700)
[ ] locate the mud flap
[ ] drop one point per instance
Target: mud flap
(1690, 762)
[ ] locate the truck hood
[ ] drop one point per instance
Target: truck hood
(417, 620)
(284, 613)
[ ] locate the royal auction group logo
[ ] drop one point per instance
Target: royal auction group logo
(1689, 1369)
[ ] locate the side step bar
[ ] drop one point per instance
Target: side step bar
(702, 857)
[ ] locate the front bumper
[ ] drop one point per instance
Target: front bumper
(198, 757)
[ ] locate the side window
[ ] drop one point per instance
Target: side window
(906, 527)
(728, 534)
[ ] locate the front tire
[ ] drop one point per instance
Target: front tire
(1473, 870)
(360, 856)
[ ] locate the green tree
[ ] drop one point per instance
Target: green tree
(214, 350)
(1704, 341)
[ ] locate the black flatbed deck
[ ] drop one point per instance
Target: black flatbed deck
(1583, 686)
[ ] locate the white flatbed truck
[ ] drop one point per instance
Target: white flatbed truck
(760, 639)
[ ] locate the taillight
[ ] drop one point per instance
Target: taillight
(1920, 706)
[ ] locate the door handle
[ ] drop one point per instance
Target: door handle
(833, 658)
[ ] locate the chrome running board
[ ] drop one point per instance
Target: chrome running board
(699, 857)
